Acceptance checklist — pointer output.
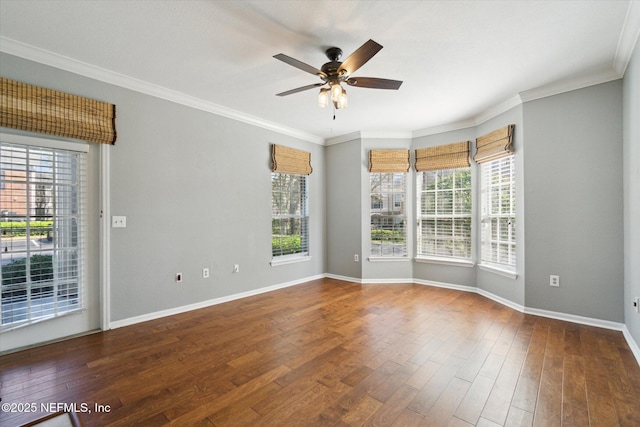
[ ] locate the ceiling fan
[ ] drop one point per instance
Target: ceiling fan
(335, 72)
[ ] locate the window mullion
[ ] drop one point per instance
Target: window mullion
(27, 234)
(54, 225)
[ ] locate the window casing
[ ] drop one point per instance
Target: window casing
(444, 214)
(498, 214)
(388, 214)
(290, 215)
(43, 200)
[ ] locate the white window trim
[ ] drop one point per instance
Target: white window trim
(45, 142)
(289, 259)
(388, 258)
(445, 261)
(105, 237)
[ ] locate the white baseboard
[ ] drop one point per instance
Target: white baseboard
(202, 304)
(633, 345)
(589, 321)
(445, 285)
(527, 310)
(501, 300)
(343, 278)
(385, 281)
(472, 289)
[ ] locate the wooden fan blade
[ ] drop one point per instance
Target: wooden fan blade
(299, 65)
(300, 89)
(374, 83)
(358, 58)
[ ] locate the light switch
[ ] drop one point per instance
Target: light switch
(118, 221)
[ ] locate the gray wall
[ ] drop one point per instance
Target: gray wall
(195, 188)
(573, 193)
(631, 155)
(343, 209)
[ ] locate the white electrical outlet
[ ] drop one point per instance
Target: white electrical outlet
(236, 268)
(118, 222)
(356, 258)
(554, 281)
(178, 277)
(205, 273)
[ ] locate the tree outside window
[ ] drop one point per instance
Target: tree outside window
(289, 218)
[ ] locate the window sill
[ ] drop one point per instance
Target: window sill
(18, 325)
(445, 261)
(499, 271)
(388, 259)
(292, 259)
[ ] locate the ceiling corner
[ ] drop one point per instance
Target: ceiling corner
(629, 36)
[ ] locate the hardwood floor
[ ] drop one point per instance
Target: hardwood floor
(336, 353)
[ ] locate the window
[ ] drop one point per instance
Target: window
(290, 215)
(498, 246)
(444, 213)
(43, 233)
(388, 214)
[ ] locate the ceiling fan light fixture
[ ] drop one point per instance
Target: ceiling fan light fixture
(342, 100)
(336, 91)
(323, 97)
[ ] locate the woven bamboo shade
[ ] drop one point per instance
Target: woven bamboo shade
(35, 109)
(389, 161)
(449, 156)
(494, 145)
(290, 160)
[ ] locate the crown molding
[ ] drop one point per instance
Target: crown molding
(386, 135)
(45, 57)
(628, 38)
(522, 97)
(496, 110)
(569, 85)
(448, 127)
(368, 135)
(343, 138)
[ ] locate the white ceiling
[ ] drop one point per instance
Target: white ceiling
(458, 59)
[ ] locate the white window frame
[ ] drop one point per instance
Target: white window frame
(498, 216)
(389, 197)
(302, 215)
(422, 254)
(82, 149)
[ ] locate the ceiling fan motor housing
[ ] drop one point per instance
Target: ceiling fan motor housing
(331, 68)
(334, 54)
